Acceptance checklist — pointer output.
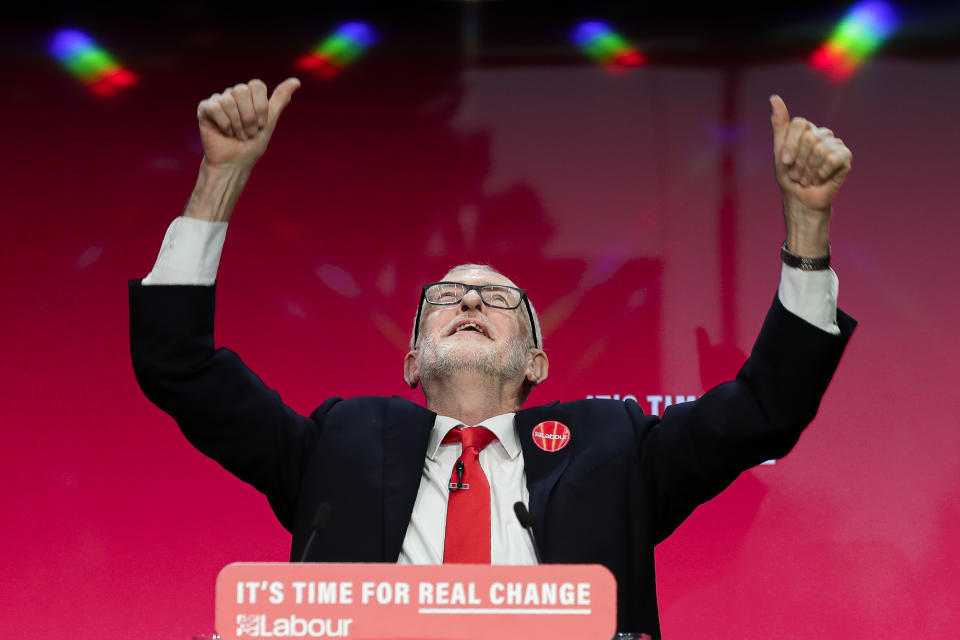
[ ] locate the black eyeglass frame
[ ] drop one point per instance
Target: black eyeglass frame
(479, 289)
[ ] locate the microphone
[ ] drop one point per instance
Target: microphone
(320, 519)
(456, 486)
(526, 521)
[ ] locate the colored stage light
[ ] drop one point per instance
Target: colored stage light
(602, 44)
(858, 35)
(337, 50)
(91, 64)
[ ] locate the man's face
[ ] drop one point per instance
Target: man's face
(472, 336)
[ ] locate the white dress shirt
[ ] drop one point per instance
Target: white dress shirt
(502, 462)
(190, 254)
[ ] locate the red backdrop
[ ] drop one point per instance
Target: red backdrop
(639, 210)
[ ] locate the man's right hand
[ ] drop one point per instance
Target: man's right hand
(236, 125)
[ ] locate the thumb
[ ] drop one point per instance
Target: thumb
(279, 100)
(780, 121)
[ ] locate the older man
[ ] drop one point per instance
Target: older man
(604, 483)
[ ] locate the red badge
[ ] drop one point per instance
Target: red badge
(551, 435)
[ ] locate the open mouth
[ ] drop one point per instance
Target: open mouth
(469, 327)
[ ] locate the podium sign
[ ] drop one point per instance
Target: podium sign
(400, 602)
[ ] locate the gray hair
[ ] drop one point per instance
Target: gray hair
(532, 331)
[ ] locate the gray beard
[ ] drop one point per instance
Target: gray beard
(438, 361)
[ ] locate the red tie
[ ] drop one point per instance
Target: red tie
(467, 539)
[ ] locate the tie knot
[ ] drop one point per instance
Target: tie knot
(476, 437)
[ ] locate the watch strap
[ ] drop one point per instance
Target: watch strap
(802, 262)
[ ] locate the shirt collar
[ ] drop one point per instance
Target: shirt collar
(502, 427)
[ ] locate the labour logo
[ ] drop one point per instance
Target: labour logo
(248, 624)
(551, 435)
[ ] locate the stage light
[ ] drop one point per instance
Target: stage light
(603, 45)
(91, 64)
(329, 58)
(858, 35)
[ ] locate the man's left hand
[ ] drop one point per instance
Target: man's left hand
(811, 164)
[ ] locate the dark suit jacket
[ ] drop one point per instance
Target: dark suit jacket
(623, 483)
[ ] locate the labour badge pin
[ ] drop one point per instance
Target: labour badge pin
(551, 435)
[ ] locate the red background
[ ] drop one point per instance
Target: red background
(640, 211)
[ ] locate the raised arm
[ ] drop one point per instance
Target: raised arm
(224, 409)
(701, 447)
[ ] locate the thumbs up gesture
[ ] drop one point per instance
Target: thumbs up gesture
(810, 164)
(236, 125)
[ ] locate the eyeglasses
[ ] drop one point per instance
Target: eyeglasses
(497, 296)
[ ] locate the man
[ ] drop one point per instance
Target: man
(603, 482)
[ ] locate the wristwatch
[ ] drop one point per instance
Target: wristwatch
(802, 262)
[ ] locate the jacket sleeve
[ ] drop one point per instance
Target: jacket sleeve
(221, 406)
(700, 447)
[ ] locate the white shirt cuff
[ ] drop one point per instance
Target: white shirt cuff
(190, 253)
(811, 295)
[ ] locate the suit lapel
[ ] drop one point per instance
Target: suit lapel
(542, 468)
(406, 430)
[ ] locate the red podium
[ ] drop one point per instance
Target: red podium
(401, 602)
